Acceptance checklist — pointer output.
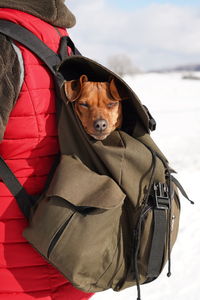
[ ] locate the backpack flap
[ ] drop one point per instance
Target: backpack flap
(76, 183)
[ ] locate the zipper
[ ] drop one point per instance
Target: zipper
(57, 236)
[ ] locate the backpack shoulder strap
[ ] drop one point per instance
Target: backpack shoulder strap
(32, 42)
(24, 200)
(51, 60)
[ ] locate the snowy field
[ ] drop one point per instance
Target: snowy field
(175, 104)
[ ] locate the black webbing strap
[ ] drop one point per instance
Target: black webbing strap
(51, 60)
(24, 200)
(181, 189)
(32, 42)
(158, 243)
(160, 203)
(65, 42)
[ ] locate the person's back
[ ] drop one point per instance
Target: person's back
(28, 136)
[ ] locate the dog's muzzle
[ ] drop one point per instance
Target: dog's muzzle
(100, 125)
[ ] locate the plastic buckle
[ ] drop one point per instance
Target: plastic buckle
(152, 122)
(161, 196)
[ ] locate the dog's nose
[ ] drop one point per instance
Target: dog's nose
(100, 125)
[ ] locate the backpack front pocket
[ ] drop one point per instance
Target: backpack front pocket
(156, 232)
(76, 224)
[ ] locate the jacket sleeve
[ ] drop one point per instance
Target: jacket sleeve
(9, 81)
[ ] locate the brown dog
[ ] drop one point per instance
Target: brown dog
(97, 104)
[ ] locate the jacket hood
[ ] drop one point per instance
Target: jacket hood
(54, 12)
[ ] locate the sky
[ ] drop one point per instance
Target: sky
(133, 4)
(153, 34)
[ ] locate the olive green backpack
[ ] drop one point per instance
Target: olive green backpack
(109, 215)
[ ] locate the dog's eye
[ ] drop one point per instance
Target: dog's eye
(83, 104)
(112, 104)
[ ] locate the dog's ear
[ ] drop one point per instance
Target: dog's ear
(113, 90)
(117, 94)
(73, 88)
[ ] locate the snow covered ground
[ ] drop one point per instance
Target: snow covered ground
(175, 104)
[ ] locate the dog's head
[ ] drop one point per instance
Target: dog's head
(97, 104)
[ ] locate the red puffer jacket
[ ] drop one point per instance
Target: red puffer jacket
(29, 148)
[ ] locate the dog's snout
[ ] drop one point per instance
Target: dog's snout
(100, 125)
